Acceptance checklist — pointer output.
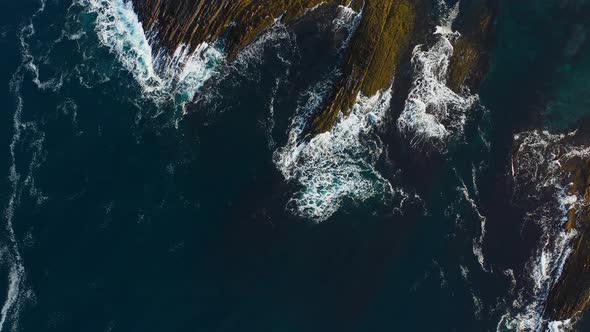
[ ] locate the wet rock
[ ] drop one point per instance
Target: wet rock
(192, 22)
(552, 182)
(571, 293)
(469, 62)
(379, 47)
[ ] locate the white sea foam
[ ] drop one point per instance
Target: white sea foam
(277, 45)
(510, 274)
(338, 164)
(162, 77)
(478, 242)
(15, 285)
(537, 169)
(448, 16)
(477, 302)
(309, 10)
(13, 257)
(17, 291)
(248, 60)
(346, 18)
(560, 326)
(433, 112)
(274, 36)
(270, 121)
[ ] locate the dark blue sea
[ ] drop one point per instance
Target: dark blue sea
(137, 197)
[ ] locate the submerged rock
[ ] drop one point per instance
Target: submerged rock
(469, 62)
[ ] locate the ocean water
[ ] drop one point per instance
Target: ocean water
(153, 192)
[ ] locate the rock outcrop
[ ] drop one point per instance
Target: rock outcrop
(379, 50)
(552, 184)
(192, 22)
(385, 37)
(571, 293)
(383, 41)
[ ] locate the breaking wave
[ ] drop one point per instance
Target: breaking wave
(347, 19)
(537, 172)
(433, 112)
(338, 164)
(162, 77)
(277, 36)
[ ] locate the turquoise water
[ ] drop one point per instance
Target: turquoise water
(128, 208)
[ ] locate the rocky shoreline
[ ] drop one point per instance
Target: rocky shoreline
(571, 293)
(552, 179)
(377, 56)
(379, 48)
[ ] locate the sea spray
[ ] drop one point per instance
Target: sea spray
(541, 184)
(338, 164)
(161, 76)
(434, 113)
(348, 20)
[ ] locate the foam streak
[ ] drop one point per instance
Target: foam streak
(336, 165)
(162, 77)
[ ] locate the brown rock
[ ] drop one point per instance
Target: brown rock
(571, 294)
(388, 32)
(469, 62)
(193, 22)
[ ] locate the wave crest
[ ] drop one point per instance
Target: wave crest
(338, 164)
(433, 112)
(162, 76)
